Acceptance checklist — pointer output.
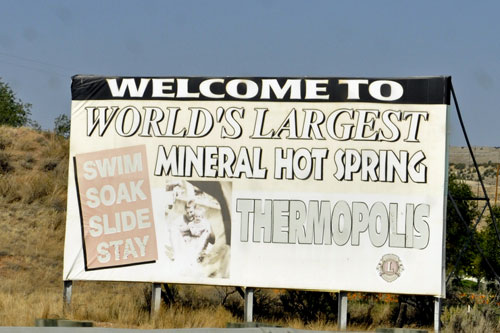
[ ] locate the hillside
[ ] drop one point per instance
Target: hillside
(487, 158)
(33, 177)
(483, 155)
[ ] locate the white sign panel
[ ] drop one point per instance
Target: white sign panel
(304, 183)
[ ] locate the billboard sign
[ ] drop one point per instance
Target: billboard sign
(303, 183)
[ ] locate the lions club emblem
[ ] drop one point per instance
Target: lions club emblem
(390, 267)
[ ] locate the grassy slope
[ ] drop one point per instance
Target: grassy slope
(33, 176)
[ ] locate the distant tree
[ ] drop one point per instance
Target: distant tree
(459, 256)
(490, 263)
(34, 125)
(13, 112)
(62, 125)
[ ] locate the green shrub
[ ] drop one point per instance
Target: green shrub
(309, 305)
(471, 319)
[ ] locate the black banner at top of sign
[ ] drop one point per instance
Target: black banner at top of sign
(418, 90)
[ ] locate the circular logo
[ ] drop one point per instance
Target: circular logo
(390, 267)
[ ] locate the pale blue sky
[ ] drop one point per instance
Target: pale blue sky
(44, 43)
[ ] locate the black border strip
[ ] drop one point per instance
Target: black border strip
(416, 90)
(80, 211)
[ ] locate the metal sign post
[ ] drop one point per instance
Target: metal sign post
(68, 286)
(437, 314)
(342, 310)
(248, 304)
(155, 297)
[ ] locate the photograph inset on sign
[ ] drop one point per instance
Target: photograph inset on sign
(198, 224)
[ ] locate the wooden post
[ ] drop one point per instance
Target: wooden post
(437, 314)
(67, 289)
(155, 297)
(342, 310)
(248, 312)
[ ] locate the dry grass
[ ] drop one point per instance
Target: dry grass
(32, 214)
(112, 305)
